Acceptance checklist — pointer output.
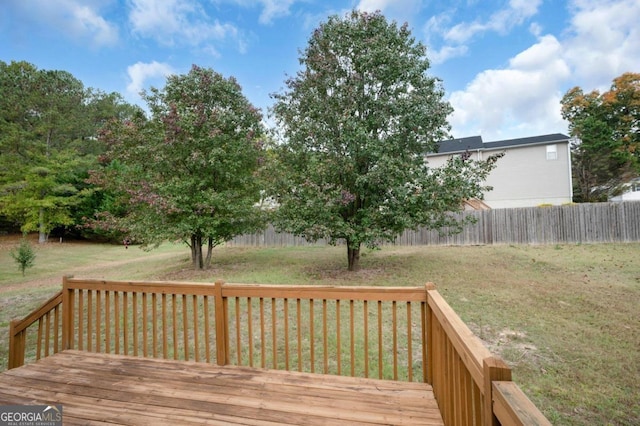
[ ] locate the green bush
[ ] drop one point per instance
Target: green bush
(24, 255)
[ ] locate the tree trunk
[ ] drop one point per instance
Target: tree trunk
(196, 251)
(192, 246)
(353, 255)
(42, 235)
(207, 262)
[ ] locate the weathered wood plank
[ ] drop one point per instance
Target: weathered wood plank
(129, 390)
(512, 406)
(467, 345)
(400, 294)
(89, 410)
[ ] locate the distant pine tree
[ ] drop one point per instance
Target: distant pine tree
(24, 255)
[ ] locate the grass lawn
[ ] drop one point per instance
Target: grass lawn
(565, 317)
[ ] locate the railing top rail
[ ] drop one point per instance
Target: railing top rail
(512, 407)
(34, 316)
(139, 286)
(370, 293)
(470, 348)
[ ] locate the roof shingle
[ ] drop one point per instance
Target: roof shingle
(475, 143)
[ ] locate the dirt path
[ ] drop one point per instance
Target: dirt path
(97, 270)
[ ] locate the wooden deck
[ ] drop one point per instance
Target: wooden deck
(401, 334)
(116, 389)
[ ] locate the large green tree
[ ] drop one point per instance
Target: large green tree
(48, 142)
(45, 134)
(189, 172)
(606, 128)
(356, 122)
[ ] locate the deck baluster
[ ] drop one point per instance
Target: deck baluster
(472, 386)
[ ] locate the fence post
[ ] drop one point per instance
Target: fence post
(16, 346)
(495, 369)
(222, 326)
(428, 339)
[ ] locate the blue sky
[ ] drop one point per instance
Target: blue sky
(505, 64)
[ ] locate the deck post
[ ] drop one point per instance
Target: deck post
(428, 339)
(67, 314)
(222, 326)
(495, 369)
(16, 345)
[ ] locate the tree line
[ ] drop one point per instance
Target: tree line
(48, 144)
(345, 161)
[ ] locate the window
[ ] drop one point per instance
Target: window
(552, 152)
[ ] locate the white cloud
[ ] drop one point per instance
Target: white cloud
(521, 100)
(455, 39)
(87, 23)
(77, 19)
(501, 21)
(547, 51)
(373, 5)
(535, 29)
(271, 9)
(399, 10)
(274, 9)
(142, 74)
(173, 22)
(446, 53)
(436, 26)
(603, 41)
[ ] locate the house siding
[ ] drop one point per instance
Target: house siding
(524, 177)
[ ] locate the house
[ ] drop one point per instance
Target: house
(534, 171)
(630, 191)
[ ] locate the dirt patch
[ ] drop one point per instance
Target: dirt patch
(511, 345)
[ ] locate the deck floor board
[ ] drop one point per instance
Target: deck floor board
(115, 389)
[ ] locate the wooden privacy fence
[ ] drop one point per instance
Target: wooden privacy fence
(397, 333)
(569, 224)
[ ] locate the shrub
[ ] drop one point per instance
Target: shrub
(24, 255)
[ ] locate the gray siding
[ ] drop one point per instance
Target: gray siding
(524, 177)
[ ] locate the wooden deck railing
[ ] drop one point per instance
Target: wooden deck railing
(398, 333)
(464, 374)
(46, 339)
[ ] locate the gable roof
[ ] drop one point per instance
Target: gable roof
(475, 143)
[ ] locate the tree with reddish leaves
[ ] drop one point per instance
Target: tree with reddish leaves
(606, 127)
(189, 172)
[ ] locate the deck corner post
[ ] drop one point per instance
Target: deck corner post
(428, 339)
(67, 313)
(222, 324)
(16, 346)
(495, 369)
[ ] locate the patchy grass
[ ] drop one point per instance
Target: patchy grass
(565, 317)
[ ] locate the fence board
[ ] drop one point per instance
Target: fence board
(569, 224)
